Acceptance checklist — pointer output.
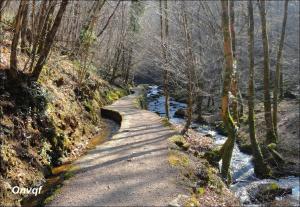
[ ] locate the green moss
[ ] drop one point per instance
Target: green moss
(213, 156)
(92, 109)
(180, 141)
(166, 122)
(272, 146)
(192, 201)
(176, 158)
(200, 191)
(116, 94)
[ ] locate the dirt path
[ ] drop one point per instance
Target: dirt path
(129, 170)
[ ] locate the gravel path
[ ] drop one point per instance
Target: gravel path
(129, 170)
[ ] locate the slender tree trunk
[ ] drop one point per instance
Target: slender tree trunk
(278, 67)
(281, 85)
(1, 35)
(260, 167)
(24, 28)
(199, 108)
(225, 113)
(237, 101)
(164, 35)
(46, 27)
(40, 20)
(49, 40)
(190, 69)
(271, 136)
(108, 20)
(13, 72)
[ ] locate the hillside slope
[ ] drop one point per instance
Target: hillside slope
(47, 123)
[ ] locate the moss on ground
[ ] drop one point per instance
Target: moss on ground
(180, 141)
(178, 159)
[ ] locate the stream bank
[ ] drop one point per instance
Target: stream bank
(244, 180)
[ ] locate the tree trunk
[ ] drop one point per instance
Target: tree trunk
(24, 29)
(49, 40)
(1, 35)
(278, 67)
(40, 19)
(164, 35)
(46, 26)
(199, 108)
(225, 113)
(234, 82)
(260, 167)
(190, 69)
(13, 72)
(271, 136)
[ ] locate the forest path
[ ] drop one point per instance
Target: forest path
(131, 169)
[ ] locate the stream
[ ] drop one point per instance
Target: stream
(242, 168)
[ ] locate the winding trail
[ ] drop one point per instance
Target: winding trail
(129, 170)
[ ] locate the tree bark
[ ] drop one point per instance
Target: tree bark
(24, 29)
(49, 40)
(13, 72)
(278, 67)
(234, 82)
(164, 35)
(270, 136)
(260, 167)
(190, 69)
(40, 20)
(225, 113)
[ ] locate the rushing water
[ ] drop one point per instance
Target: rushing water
(242, 168)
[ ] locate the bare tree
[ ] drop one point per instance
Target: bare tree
(164, 44)
(260, 167)
(271, 136)
(49, 41)
(278, 66)
(226, 116)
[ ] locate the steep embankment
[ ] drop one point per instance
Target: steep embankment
(47, 123)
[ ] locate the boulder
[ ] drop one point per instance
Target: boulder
(267, 192)
(290, 95)
(181, 113)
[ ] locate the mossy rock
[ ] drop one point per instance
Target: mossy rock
(220, 128)
(213, 156)
(180, 141)
(268, 192)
